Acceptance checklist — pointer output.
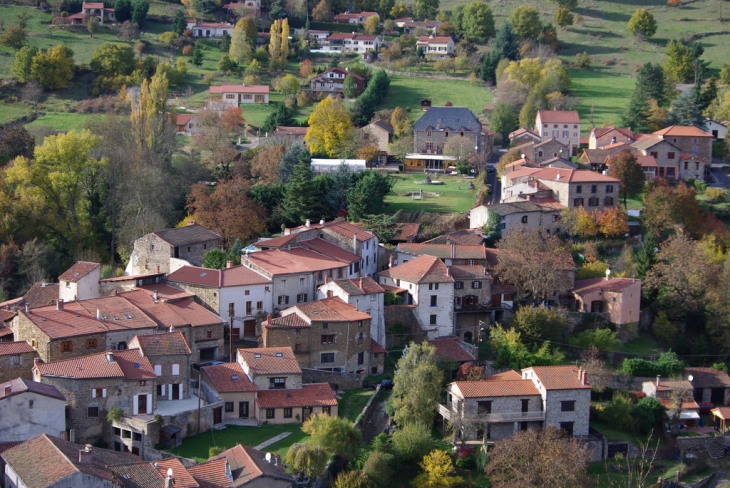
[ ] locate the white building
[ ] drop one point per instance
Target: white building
(79, 282)
(717, 129)
(29, 409)
(332, 165)
(365, 294)
(436, 46)
(561, 125)
(209, 29)
(232, 95)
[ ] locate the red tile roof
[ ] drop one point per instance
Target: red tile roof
(270, 360)
(464, 237)
(682, 131)
(708, 377)
(510, 375)
(41, 294)
(450, 348)
(239, 89)
(558, 377)
(591, 285)
(78, 271)
(376, 348)
(311, 395)
(165, 292)
(406, 231)
(330, 250)
(245, 463)
(167, 344)
(183, 479)
(469, 272)
(276, 242)
(286, 321)
(331, 310)
(444, 251)
(559, 116)
(520, 132)
(421, 269)
(293, 261)
(6, 315)
(128, 364)
(131, 277)
(434, 39)
(5, 330)
(496, 388)
(569, 175)
(359, 286)
(20, 385)
(172, 314)
(349, 230)
(12, 348)
(234, 276)
(212, 473)
(229, 378)
(183, 119)
(722, 412)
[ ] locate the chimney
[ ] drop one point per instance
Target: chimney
(608, 273)
(110, 356)
(658, 382)
(307, 223)
(229, 264)
(8, 390)
(98, 314)
(43, 284)
(85, 456)
(390, 262)
(172, 328)
(170, 479)
(558, 177)
(268, 318)
(59, 304)
(453, 251)
(321, 222)
(354, 243)
(157, 268)
(191, 222)
(155, 295)
(326, 279)
(27, 308)
(360, 283)
(448, 271)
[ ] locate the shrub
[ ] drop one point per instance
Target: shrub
(214, 451)
(663, 329)
(603, 339)
(715, 195)
(617, 413)
(377, 468)
(647, 413)
(188, 50)
(582, 60)
(114, 414)
(720, 366)
(666, 365)
(304, 99)
(412, 442)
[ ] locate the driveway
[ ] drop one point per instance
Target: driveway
(721, 180)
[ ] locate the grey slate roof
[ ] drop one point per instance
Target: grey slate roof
(184, 236)
(452, 118)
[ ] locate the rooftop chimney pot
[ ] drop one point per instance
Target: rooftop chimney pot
(155, 295)
(229, 264)
(59, 304)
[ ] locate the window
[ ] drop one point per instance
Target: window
(577, 202)
(328, 338)
(259, 305)
(476, 284)
(15, 360)
(270, 413)
(609, 188)
(567, 406)
(287, 413)
(458, 285)
(593, 202)
(608, 202)
(579, 189)
(566, 134)
(372, 297)
(152, 248)
(283, 299)
(434, 300)
(654, 154)
(137, 436)
(567, 427)
(539, 154)
(432, 320)
(277, 383)
(98, 393)
(326, 410)
(555, 218)
(327, 357)
(283, 283)
(230, 96)
(670, 172)
(524, 219)
(92, 412)
(249, 308)
(360, 358)
(209, 334)
(160, 390)
(67, 346)
(117, 431)
(484, 408)
(301, 298)
(359, 325)
(90, 343)
(594, 188)
(670, 155)
(229, 406)
(158, 370)
(325, 325)
(175, 369)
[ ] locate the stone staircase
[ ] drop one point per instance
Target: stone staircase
(714, 449)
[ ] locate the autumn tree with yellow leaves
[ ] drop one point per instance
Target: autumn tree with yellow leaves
(330, 128)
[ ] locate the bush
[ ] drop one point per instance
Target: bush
(582, 60)
(412, 442)
(667, 365)
(647, 413)
(377, 468)
(188, 50)
(664, 330)
(715, 195)
(720, 367)
(214, 451)
(603, 339)
(617, 413)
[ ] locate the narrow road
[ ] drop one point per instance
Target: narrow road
(721, 179)
(379, 420)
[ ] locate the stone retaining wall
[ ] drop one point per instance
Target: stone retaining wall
(338, 381)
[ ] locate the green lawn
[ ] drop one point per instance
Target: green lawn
(10, 113)
(352, 403)
(453, 196)
(614, 435)
(196, 447)
(65, 121)
(606, 94)
(644, 344)
(603, 476)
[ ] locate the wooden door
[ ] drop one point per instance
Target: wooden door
(235, 333)
(306, 412)
(249, 328)
(243, 410)
(217, 415)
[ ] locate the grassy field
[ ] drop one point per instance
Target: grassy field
(352, 403)
(65, 121)
(607, 105)
(453, 196)
(644, 344)
(196, 447)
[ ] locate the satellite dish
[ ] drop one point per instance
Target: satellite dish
(268, 457)
(690, 378)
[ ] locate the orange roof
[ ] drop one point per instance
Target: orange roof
(165, 293)
(234, 276)
(405, 231)
(78, 271)
(244, 464)
(183, 119)
(434, 39)
(270, 360)
(311, 395)
(722, 412)
(669, 404)
(173, 313)
(451, 348)
(12, 348)
(229, 378)
(464, 237)
(444, 251)
(128, 364)
(349, 230)
(359, 286)
(170, 343)
(559, 116)
(469, 272)
(239, 89)
(421, 269)
(330, 250)
(573, 175)
(558, 377)
(510, 375)
(179, 473)
(682, 131)
(331, 310)
(211, 473)
(293, 261)
(376, 348)
(590, 285)
(286, 321)
(496, 388)
(5, 331)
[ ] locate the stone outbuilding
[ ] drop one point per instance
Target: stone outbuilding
(16, 360)
(28, 409)
(710, 385)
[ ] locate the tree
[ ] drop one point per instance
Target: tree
(685, 111)
(425, 9)
(526, 22)
(307, 458)
(503, 119)
(643, 24)
(400, 122)
(280, 117)
(305, 68)
(647, 413)
(278, 10)
(368, 195)
(240, 49)
(399, 10)
(336, 435)
(546, 458)
(215, 259)
(129, 31)
(22, 64)
(197, 58)
(412, 441)
(650, 83)
(377, 469)
(667, 208)
(372, 24)
(353, 479)
(625, 167)
(279, 44)
(113, 58)
(342, 184)
(637, 114)
(563, 17)
(93, 26)
(53, 68)
(534, 263)
(123, 11)
(330, 128)
(288, 85)
(461, 148)
(231, 119)
(139, 11)
(32, 93)
(303, 197)
(227, 65)
(266, 164)
(612, 222)
(15, 141)
(478, 22)
(416, 385)
(178, 22)
(438, 471)
(148, 115)
(511, 352)
(505, 46)
(294, 156)
(678, 64)
(349, 86)
(14, 37)
(323, 12)
(540, 323)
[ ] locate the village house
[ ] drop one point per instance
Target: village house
(648, 164)
(429, 162)
(360, 18)
(364, 294)
(451, 254)
(233, 95)
(709, 385)
(48, 461)
(405, 232)
(436, 46)
(497, 406)
(6, 333)
(378, 134)
(332, 82)
(119, 284)
(429, 287)
(234, 387)
(16, 360)
(29, 409)
(250, 7)
(209, 29)
(40, 294)
(242, 466)
(665, 154)
(318, 38)
(561, 125)
(439, 125)
(155, 252)
(188, 124)
(538, 213)
(401, 21)
(93, 9)
(79, 282)
(327, 334)
(169, 355)
(291, 136)
(455, 350)
(463, 237)
(605, 136)
(473, 300)
(523, 136)
(618, 298)
(675, 395)
(717, 129)
(351, 43)
(246, 291)
(690, 140)
(430, 25)
(163, 473)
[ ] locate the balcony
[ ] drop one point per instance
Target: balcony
(449, 414)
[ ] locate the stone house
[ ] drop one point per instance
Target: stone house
(378, 134)
(209, 29)
(648, 164)
(29, 409)
(328, 334)
(618, 298)
(98, 382)
(566, 396)
(217, 289)
(451, 254)
(153, 252)
(690, 140)
(93, 9)
(561, 125)
(430, 287)
(436, 46)
(169, 355)
(364, 294)
(378, 354)
(242, 466)
(435, 128)
(605, 136)
(291, 136)
(453, 349)
(16, 360)
(234, 387)
(693, 167)
(537, 213)
(233, 95)
(473, 301)
(79, 282)
(40, 294)
(332, 81)
(709, 385)
(523, 136)
(49, 461)
(549, 149)
(120, 284)
(665, 153)
(669, 392)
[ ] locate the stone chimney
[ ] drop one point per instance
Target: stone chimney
(354, 243)
(229, 264)
(170, 479)
(85, 455)
(8, 390)
(390, 261)
(157, 268)
(191, 222)
(658, 381)
(307, 223)
(172, 328)
(59, 304)
(27, 308)
(453, 251)
(155, 295)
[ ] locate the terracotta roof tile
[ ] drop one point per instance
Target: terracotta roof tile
(349, 230)
(469, 272)
(359, 286)
(20, 385)
(614, 284)
(559, 116)
(682, 131)
(229, 378)
(234, 276)
(137, 475)
(465, 237)
(444, 251)
(270, 360)
(165, 292)
(211, 474)
(239, 89)
(183, 479)
(422, 269)
(128, 364)
(187, 235)
(406, 231)
(175, 313)
(170, 343)
(131, 277)
(558, 377)
(330, 250)
(293, 261)
(496, 388)
(285, 321)
(12, 348)
(708, 377)
(311, 395)
(724, 412)
(276, 242)
(510, 375)
(669, 404)
(376, 348)
(331, 310)
(78, 271)
(434, 39)
(450, 348)
(182, 119)
(6, 315)
(41, 295)
(5, 331)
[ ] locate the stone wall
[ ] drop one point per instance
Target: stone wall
(338, 381)
(204, 295)
(410, 329)
(17, 366)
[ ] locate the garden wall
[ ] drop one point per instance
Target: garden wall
(338, 381)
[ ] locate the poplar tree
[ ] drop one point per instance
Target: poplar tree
(240, 50)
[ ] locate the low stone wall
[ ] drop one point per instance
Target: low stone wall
(338, 381)
(367, 411)
(597, 447)
(152, 454)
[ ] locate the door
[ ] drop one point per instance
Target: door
(242, 410)
(235, 334)
(217, 415)
(142, 404)
(496, 299)
(717, 396)
(176, 391)
(525, 405)
(306, 412)
(249, 328)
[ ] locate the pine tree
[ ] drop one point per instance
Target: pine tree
(301, 198)
(197, 59)
(637, 115)
(506, 45)
(278, 10)
(650, 83)
(178, 22)
(225, 42)
(685, 111)
(646, 255)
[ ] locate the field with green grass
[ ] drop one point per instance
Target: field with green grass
(452, 196)
(65, 121)
(352, 403)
